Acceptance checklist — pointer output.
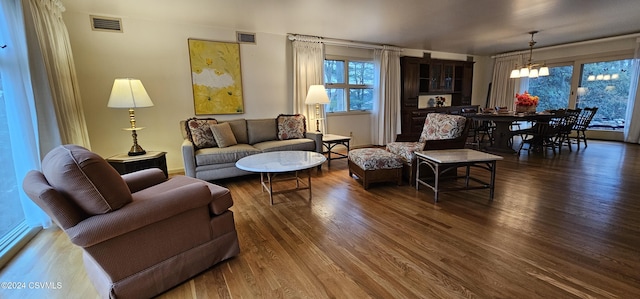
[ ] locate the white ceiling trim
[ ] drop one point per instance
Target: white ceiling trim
(581, 43)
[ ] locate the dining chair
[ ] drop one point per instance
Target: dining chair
(479, 130)
(539, 137)
(582, 124)
(542, 134)
(565, 126)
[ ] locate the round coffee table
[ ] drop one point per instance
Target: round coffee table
(270, 164)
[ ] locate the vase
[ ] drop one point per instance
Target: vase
(526, 109)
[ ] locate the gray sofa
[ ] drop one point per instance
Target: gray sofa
(253, 136)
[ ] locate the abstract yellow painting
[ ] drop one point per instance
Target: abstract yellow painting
(216, 77)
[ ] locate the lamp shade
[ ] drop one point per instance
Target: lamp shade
(128, 93)
(544, 71)
(317, 95)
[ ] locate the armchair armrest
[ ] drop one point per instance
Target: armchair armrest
(317, 137)
(189, 158)
(140, 213)
(143, 179)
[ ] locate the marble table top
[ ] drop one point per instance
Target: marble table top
(457, 156)
(282, 161)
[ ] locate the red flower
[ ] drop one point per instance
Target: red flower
(526, 99)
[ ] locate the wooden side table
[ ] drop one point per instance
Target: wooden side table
(124, 163)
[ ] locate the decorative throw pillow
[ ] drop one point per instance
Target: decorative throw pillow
(291, 126)
(199, 132)
(223, 135)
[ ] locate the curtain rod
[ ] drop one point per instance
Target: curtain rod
(339, 42)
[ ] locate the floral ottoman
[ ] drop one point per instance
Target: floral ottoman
(373, 165)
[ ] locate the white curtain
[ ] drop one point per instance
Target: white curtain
(19, 104)
(308, 64)
(386, 102)
(503, 88)
(632, 127)
(44, 17)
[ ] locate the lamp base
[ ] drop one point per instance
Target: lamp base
(136, 150)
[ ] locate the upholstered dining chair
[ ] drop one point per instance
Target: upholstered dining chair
(440, 131)
(140, 233)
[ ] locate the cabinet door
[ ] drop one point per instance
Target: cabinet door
(442, 77)
(436, 77)
(467, 84)
(410, 83)
(447, 77)
(425, 77)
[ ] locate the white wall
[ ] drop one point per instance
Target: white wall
(156, 52)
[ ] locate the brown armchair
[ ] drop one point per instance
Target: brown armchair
(440, 131)
(141, 234)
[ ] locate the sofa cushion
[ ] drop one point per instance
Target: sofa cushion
(438, 126)
(405, 150)
(374, 159)
(223, 135)
(199, 132)
(85, 178)
(302, 144)
(239, 128)
(259, 130)
(291, 126)
(231, 154)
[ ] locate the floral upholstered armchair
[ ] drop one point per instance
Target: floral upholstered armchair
(440, 131)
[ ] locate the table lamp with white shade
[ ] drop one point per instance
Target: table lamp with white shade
(130, 93)
(317, 95)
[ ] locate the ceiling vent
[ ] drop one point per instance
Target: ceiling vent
(246, 37)
(106, 24)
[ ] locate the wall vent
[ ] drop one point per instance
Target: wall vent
(106, 24)
(246, 37)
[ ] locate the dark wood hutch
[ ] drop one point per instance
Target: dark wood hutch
(426, 76)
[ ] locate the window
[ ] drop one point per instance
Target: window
(18, 222)
(349, 84)
(554, 90)
(605, 84)
(11, 213)
(602, 82)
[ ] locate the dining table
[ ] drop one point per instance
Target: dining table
(502, 133)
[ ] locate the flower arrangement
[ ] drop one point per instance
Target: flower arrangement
(525, 99)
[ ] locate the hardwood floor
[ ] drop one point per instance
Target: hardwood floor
(563, 226)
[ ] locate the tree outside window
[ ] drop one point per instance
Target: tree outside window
(356, 94)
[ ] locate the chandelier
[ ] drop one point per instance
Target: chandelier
(530, 70)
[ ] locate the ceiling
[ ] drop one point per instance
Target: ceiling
(480, 27)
